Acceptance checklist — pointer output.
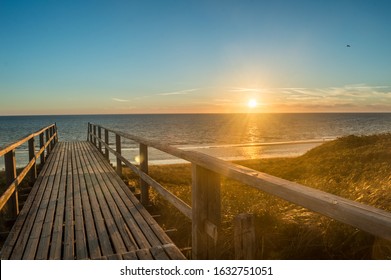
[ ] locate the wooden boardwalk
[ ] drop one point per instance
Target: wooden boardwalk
(79, 208)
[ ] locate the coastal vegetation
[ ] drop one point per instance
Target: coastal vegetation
(353, 167)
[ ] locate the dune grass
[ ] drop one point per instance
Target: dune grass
(353, 167)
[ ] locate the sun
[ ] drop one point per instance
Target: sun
(252, 103)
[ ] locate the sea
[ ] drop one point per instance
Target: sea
(226, 136)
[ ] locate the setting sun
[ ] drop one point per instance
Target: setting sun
(252, 103)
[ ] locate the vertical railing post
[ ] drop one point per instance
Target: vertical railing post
(144, 168)
(33, 171)
(100, 138)
(206, 212)
(51, 133)
(107, 143)
(118, 149)
(48, 148)
(41, 145)
(245, 237)
(91, 138)
(56, 132)
(88, 132)
(94, 135)
(10, 174)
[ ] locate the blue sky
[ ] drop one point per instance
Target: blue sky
(81, 57)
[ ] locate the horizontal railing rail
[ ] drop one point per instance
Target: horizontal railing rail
(48, 137)
(206, 172)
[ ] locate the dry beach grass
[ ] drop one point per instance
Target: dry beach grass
(353, 167)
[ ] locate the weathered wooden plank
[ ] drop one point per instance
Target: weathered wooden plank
(14, 244)
(91, 234)
(117, 208)
(38, 214)
(80, 236)
(104, 238)
(69, 234)
(124, 205)
(101, 258)
(144, 220)
(53, 185)
(114, 257)
(130, 256)
(79, 202)
(144, 254)
(154, 228)
(101, 195)
(170, 197)
(173, 252)
(57, 234)
(158, 253)
(141, 215)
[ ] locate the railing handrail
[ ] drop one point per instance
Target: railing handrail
(12, 179)
(5, 149)
(364, 217)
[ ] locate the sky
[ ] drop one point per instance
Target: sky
(131, 57)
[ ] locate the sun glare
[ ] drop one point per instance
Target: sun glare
(252, 103)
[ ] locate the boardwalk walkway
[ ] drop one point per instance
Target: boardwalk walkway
(79, 208)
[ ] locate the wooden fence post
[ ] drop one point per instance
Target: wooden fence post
(52, 142)
(100, 138)
(56, 132)
(41, 145)
(118, 150)
(107, 143)
(144, 168)
(94, 135)
(206, 212)
(33, 171)
(244, 237)
(89, 132)
(10, 174)
(48, 150)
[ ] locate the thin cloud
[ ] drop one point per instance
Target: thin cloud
(245, 89)
(120, 100)
(181, 92)
(361, 95)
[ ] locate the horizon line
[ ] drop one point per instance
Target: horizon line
(193, 113)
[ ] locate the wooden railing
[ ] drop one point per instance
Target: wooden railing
(47, 139)
(205, 212)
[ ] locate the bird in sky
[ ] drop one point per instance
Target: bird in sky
(348, 46)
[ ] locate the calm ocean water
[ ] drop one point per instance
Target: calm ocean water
(229, 136)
